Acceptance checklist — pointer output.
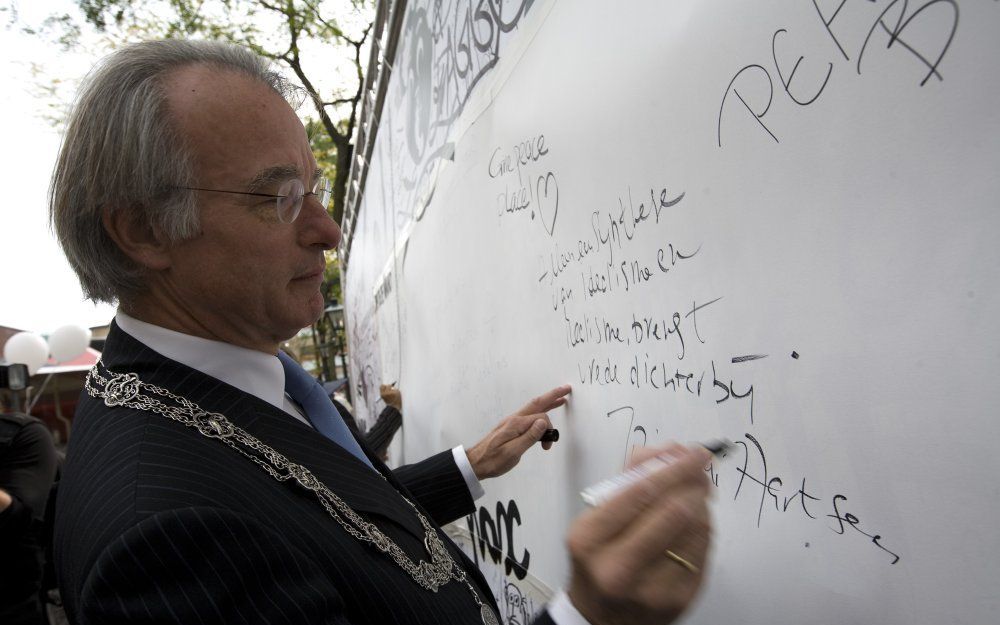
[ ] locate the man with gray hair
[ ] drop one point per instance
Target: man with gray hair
(209, 478)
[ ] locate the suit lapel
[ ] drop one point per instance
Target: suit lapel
(362, 489)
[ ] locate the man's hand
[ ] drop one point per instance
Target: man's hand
(5, 500)
(391, 396)
(622, 574)
(501, 449)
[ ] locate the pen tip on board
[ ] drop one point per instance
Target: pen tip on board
(717, 447)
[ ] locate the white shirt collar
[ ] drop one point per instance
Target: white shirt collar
(253, 372)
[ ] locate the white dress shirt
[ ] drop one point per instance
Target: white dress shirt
(262, 376)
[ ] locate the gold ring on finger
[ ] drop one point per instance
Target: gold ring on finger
(682, 561)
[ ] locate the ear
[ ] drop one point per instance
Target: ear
(145, 244)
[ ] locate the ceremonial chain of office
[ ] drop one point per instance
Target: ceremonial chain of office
(126, 389)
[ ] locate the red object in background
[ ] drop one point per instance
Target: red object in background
(83, 362)
(69, 374)
(45, 410)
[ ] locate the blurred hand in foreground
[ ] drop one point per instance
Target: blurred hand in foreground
(640, 557)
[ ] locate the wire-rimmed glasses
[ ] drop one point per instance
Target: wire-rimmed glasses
(288, 200)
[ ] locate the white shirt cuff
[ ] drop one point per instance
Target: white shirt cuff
(563, 612)
(462, 460)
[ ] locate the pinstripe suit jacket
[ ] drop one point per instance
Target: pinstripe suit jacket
(156, 523)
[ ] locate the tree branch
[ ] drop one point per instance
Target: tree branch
(333, 27)
(352, 120)
(340, 101)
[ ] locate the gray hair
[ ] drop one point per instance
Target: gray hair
(121, 152)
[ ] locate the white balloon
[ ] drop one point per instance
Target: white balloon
(68, 342)
(26, 348)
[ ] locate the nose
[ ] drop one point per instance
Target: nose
(316, 227)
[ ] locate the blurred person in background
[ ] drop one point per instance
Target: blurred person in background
(28, 463)
(380, 434)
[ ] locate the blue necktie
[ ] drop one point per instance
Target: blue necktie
(320, 411)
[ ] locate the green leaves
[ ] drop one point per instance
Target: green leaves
(321, 43)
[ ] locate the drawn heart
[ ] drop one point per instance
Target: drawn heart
(548, 201)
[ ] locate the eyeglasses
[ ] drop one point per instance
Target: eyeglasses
(288, 201)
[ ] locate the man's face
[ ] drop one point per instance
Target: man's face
(246, 278)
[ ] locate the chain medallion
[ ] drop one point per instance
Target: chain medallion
(126, 389)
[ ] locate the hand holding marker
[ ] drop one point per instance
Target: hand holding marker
(602, 491)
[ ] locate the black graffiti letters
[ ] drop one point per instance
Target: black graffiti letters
(635, 273)
(513, 200)
(751, 89)
(786, 83)
(771, 486)
(647, 329)
(609, 228)
(802, 496)
(628, 274)
(760, 479)
(658, 376)
(529, 188)
(945, 21)
(666, 260)
(728, 391)
(610, 232)
(895, 32)
(599, 373)
(757, 480)
(695, 307)
(828, 22)
(599, 282)
(488, 537)
(750, 75)
(636, 437)
(637, 329)
(854, 523)
(560, 298)
(529, 150)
